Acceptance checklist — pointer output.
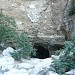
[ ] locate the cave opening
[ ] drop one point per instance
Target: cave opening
(41, 52)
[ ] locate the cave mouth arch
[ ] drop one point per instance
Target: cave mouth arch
(41, 52)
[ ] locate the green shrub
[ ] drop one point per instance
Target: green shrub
(66, 60)
(6, 20)
(7, 28)
(6, 33)
(72, 8)
(23, 43)
(16, 55)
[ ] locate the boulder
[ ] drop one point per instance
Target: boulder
(72, 72)
(43, 72)
(44, 63)
(7, 51)
(38, 71)
(16, 72)
(32, 60)
(6, 63)
(26, 66)
(41, 67)
(52, 73)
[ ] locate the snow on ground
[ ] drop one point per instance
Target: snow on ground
(34, 66)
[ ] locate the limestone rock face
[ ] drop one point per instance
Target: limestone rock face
(35, 11)
(39, 18)
(32, 15)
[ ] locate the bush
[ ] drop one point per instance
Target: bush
(24, 45)
(6, 33)
(16, 55)
(66, 60)
(72, 8)
(7, 30)
(6, 20)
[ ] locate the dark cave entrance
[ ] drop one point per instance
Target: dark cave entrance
(42, 52)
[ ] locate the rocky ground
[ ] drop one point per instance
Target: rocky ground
(34, 66)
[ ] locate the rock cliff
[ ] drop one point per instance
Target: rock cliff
(41, 18)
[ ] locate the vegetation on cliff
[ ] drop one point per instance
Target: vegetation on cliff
(72, 8)
(22, 42)
(7, 28)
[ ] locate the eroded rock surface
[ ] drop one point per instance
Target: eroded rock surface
(37, 18)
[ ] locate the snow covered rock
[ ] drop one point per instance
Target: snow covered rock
(16, 72)
(52, 73)
(7, 51)
(41, 67)
(55, 57)
(44, 63)
(6, 63)
(34, 66)
(72, 72)
(43, 72)
(26, 66)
